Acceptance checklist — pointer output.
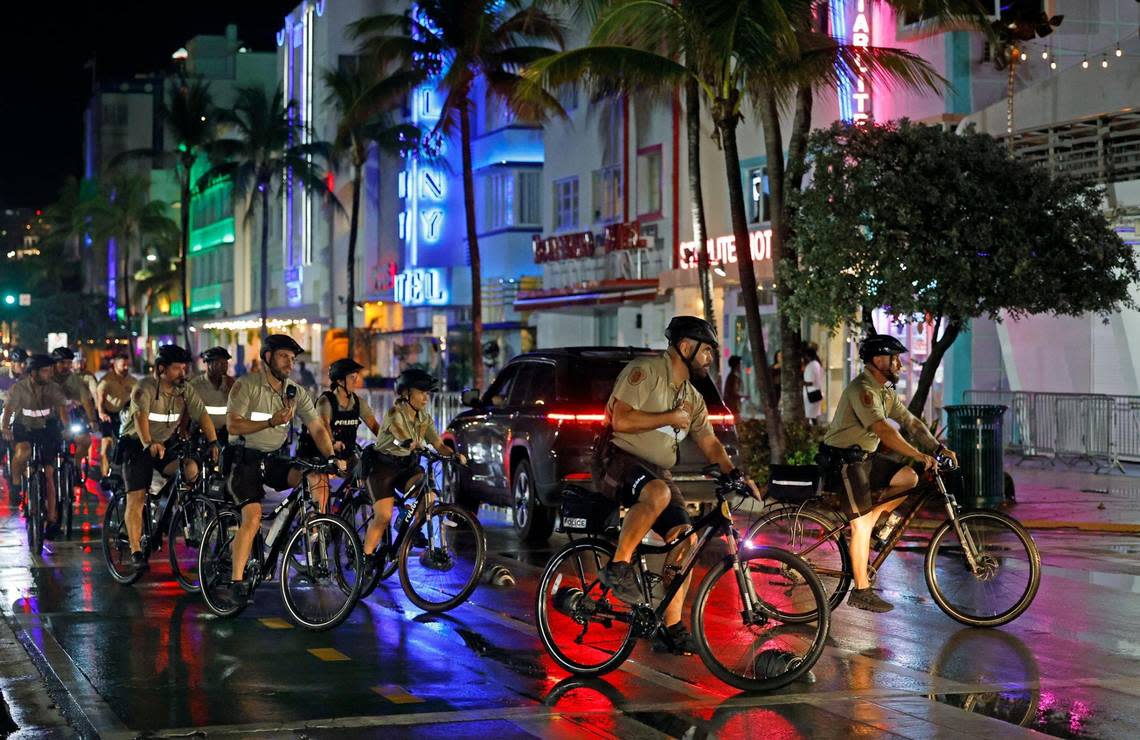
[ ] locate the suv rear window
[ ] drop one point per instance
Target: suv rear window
(590, 382)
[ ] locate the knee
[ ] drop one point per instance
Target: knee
(657, 495)
(906, 478)
(190, 471)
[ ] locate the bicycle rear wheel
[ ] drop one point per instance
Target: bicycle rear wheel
(187, 526)
(358, 513)
(586, 630)
(443, 574)
(215, 563)
(116, 546)
(1006, 578)
(795, 529)
(761, 651)
(317, 557)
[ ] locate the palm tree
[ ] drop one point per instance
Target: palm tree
(123, 211)
(159, 275)
(189, 115)
(456, 43)
(363, 97)
(259, 152)
(736, 52)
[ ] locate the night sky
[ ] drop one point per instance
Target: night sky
(44, 86)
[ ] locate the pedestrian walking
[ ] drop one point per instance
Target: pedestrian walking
(813, 385)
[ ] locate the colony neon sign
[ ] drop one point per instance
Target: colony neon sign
(722, 249)
(851, 24)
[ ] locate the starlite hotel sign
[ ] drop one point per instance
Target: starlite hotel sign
(851, 24)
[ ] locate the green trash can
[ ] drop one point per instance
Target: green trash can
(976, 437)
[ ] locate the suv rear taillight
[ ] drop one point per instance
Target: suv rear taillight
(726, 420)
(569, 418)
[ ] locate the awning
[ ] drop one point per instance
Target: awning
(590, 294)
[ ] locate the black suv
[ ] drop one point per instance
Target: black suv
(532, 432)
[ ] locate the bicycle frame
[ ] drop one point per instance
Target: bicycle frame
(294, 502)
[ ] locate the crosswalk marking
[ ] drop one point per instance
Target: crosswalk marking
(397, 695)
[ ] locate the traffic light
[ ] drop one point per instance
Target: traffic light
(9, 299)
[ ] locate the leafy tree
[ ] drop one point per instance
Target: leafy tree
(258, 150)
(457, 43)
(363, 98)
(946, 227)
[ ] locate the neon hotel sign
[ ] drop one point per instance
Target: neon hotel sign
(851, 24)
(722, 249)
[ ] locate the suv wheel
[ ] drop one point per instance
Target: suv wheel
(533, 521)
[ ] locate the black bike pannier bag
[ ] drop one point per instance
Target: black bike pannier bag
(585, 511)
(793, 484)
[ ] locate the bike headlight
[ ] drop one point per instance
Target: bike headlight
(76, 428)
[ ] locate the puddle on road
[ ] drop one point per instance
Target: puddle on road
(1033, 709)
(517, 660)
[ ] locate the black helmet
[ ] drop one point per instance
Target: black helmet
(38, 362)
(343, 367)
(121, 354)
(416, 378)
(215, 353)
(879, 344)
(690, 327)
(62, 354)
(274, 342)
(168, 354)
(18, 354)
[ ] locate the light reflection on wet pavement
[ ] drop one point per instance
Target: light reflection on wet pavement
(150, 658)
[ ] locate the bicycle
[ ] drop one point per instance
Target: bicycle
(352, 503)
(68, 477)
(35, 496)
(318, 558)
(739, 613)
(968, 553)
(451, 541)
(180, 510)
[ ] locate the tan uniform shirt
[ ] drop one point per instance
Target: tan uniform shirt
(116, 390)
(646, 385)
(31, 405)
(401, 424)
(252, 398)
(216, 400)
(864, 403)
(75, 389)
(163, 410)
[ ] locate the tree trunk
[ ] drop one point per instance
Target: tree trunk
(264, 268)
(472, 249)
(697, 205)
(353, 224)
(933, 360)
(184, 257)
(126, 281)
(791, 372)
(726, 117)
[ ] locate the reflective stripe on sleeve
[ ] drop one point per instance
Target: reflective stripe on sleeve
(217, 410)
(259, 416)
(36, 413)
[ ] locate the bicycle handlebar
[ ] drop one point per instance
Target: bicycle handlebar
(317, 465)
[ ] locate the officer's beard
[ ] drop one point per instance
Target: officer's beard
(278, 374)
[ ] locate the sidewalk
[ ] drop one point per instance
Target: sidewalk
(1064, 497)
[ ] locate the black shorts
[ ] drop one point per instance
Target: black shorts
(139, 466)
(252, 471)
(627, 476)
(386, 474)
(109, 429)
(49, 438)
(860, 486)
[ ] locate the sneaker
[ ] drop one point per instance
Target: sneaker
(239, 592)
(680, 641)
(622, 582)
(419, 539)
(868, 600)
(436, 559)
(138, 560)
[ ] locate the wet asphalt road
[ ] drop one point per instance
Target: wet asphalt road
(151, 660)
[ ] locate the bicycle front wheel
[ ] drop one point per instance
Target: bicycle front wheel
(1005, 575)
(34, 485)
(795, 529)
(442, 574)
(759, 649)
(319, 569)
(116, 546)
(585, 629)
(66, 492)
(185, 536)
(215, 563)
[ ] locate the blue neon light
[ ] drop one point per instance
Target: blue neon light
(421, 287)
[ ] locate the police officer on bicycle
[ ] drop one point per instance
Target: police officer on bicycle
(213, 387)
(36, 411)
(112, 397)
(652, 408)
(868, 482)
(261, 408)
(158, 404)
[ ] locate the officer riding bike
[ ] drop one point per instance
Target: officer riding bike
(652, 408)
(213, 387)
(112, 397)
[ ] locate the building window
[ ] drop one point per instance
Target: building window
(511, 199)
(607, 194)
(649, 181)
(759, 209)
(530, 198)
(566, 204)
